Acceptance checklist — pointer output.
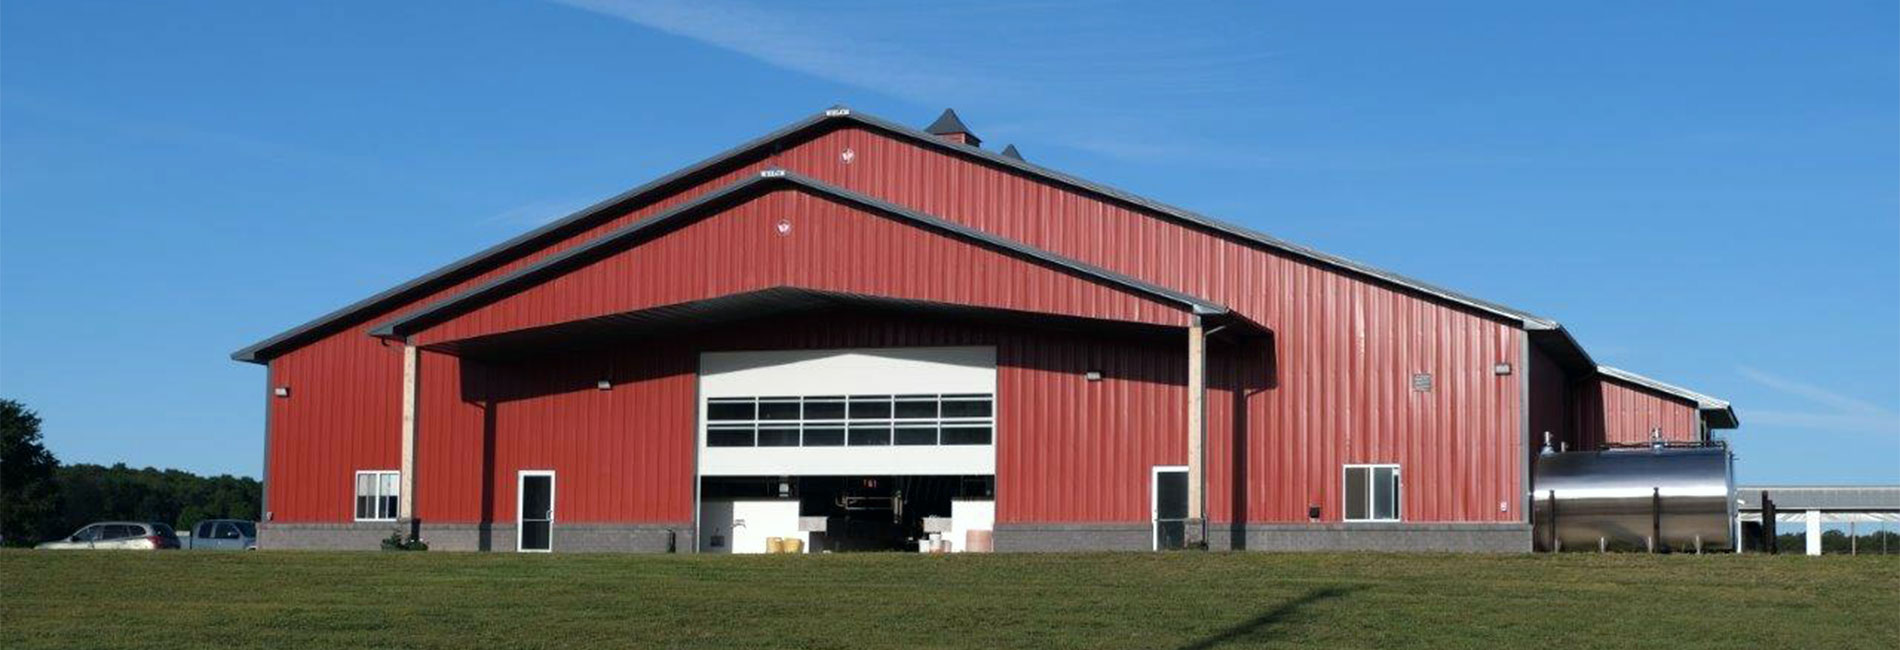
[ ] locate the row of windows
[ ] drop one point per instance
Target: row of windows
(849, 408)
(856, 435)
(850, 420)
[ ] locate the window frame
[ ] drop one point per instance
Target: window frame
(376, 495)
(1372, 498)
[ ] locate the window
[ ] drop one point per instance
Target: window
(376, 494)
(851, 420)
(1372, 493)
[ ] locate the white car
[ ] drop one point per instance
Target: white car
(118, 535)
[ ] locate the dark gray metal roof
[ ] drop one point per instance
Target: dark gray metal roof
(746, 188)
(1821, 497)
(1009, 151)
(836, 117)
(948, 123)
(1720, 414)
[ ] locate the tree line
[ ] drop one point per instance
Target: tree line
(41, 499)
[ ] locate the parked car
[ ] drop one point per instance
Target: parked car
(223, 535)
(119, 535)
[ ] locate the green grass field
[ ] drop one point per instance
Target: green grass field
(1177, 600)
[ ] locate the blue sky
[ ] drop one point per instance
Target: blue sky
(1705, 193)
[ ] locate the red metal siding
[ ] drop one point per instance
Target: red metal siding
(1612, 412)
(1346, 348)
(830, 246)
(1336, 384)
(1549, 402)
(343, 415)
(626, 455)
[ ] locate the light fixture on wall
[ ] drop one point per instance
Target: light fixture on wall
(1501, 369)
(604, 384)
(281, 391)
(1092, 375)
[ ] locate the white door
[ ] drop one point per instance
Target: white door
(534, 512)
(1169, 503)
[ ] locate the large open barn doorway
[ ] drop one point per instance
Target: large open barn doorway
(827, 514)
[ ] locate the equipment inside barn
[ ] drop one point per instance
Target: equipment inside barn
(844, 514)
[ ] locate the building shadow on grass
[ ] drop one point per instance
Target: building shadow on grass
(1261, 628)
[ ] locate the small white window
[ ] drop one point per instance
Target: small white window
(376, 495)
(1372, 493)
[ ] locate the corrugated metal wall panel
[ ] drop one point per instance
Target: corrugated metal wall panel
(1346, 347)
(829, 247)
(1338, 391)
(1068, 449)
(1607, 411)
(335, 422)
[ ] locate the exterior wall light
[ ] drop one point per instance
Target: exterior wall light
(604, 384)
(1501, 369)
(1092, 375)
(281, 391)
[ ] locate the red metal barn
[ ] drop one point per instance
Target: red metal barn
(860, 335)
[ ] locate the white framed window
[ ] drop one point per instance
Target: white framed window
(376, 494)
(1372, 493)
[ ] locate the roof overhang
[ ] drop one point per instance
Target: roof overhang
(745, 189)
(1717, 412)
(700, 316)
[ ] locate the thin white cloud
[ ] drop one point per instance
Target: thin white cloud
(536, 213)
(1841, 413)
(1065, 71)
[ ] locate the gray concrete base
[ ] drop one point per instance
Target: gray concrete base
(362, 536)
(568, 538)
(1018, 538)
(1402, 537)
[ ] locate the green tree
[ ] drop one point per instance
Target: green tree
(29, 493)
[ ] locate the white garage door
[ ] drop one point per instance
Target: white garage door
(881, 411)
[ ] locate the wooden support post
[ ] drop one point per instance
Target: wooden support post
(1197, 435)
(406, 500)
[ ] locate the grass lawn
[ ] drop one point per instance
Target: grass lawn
(1176, 600)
